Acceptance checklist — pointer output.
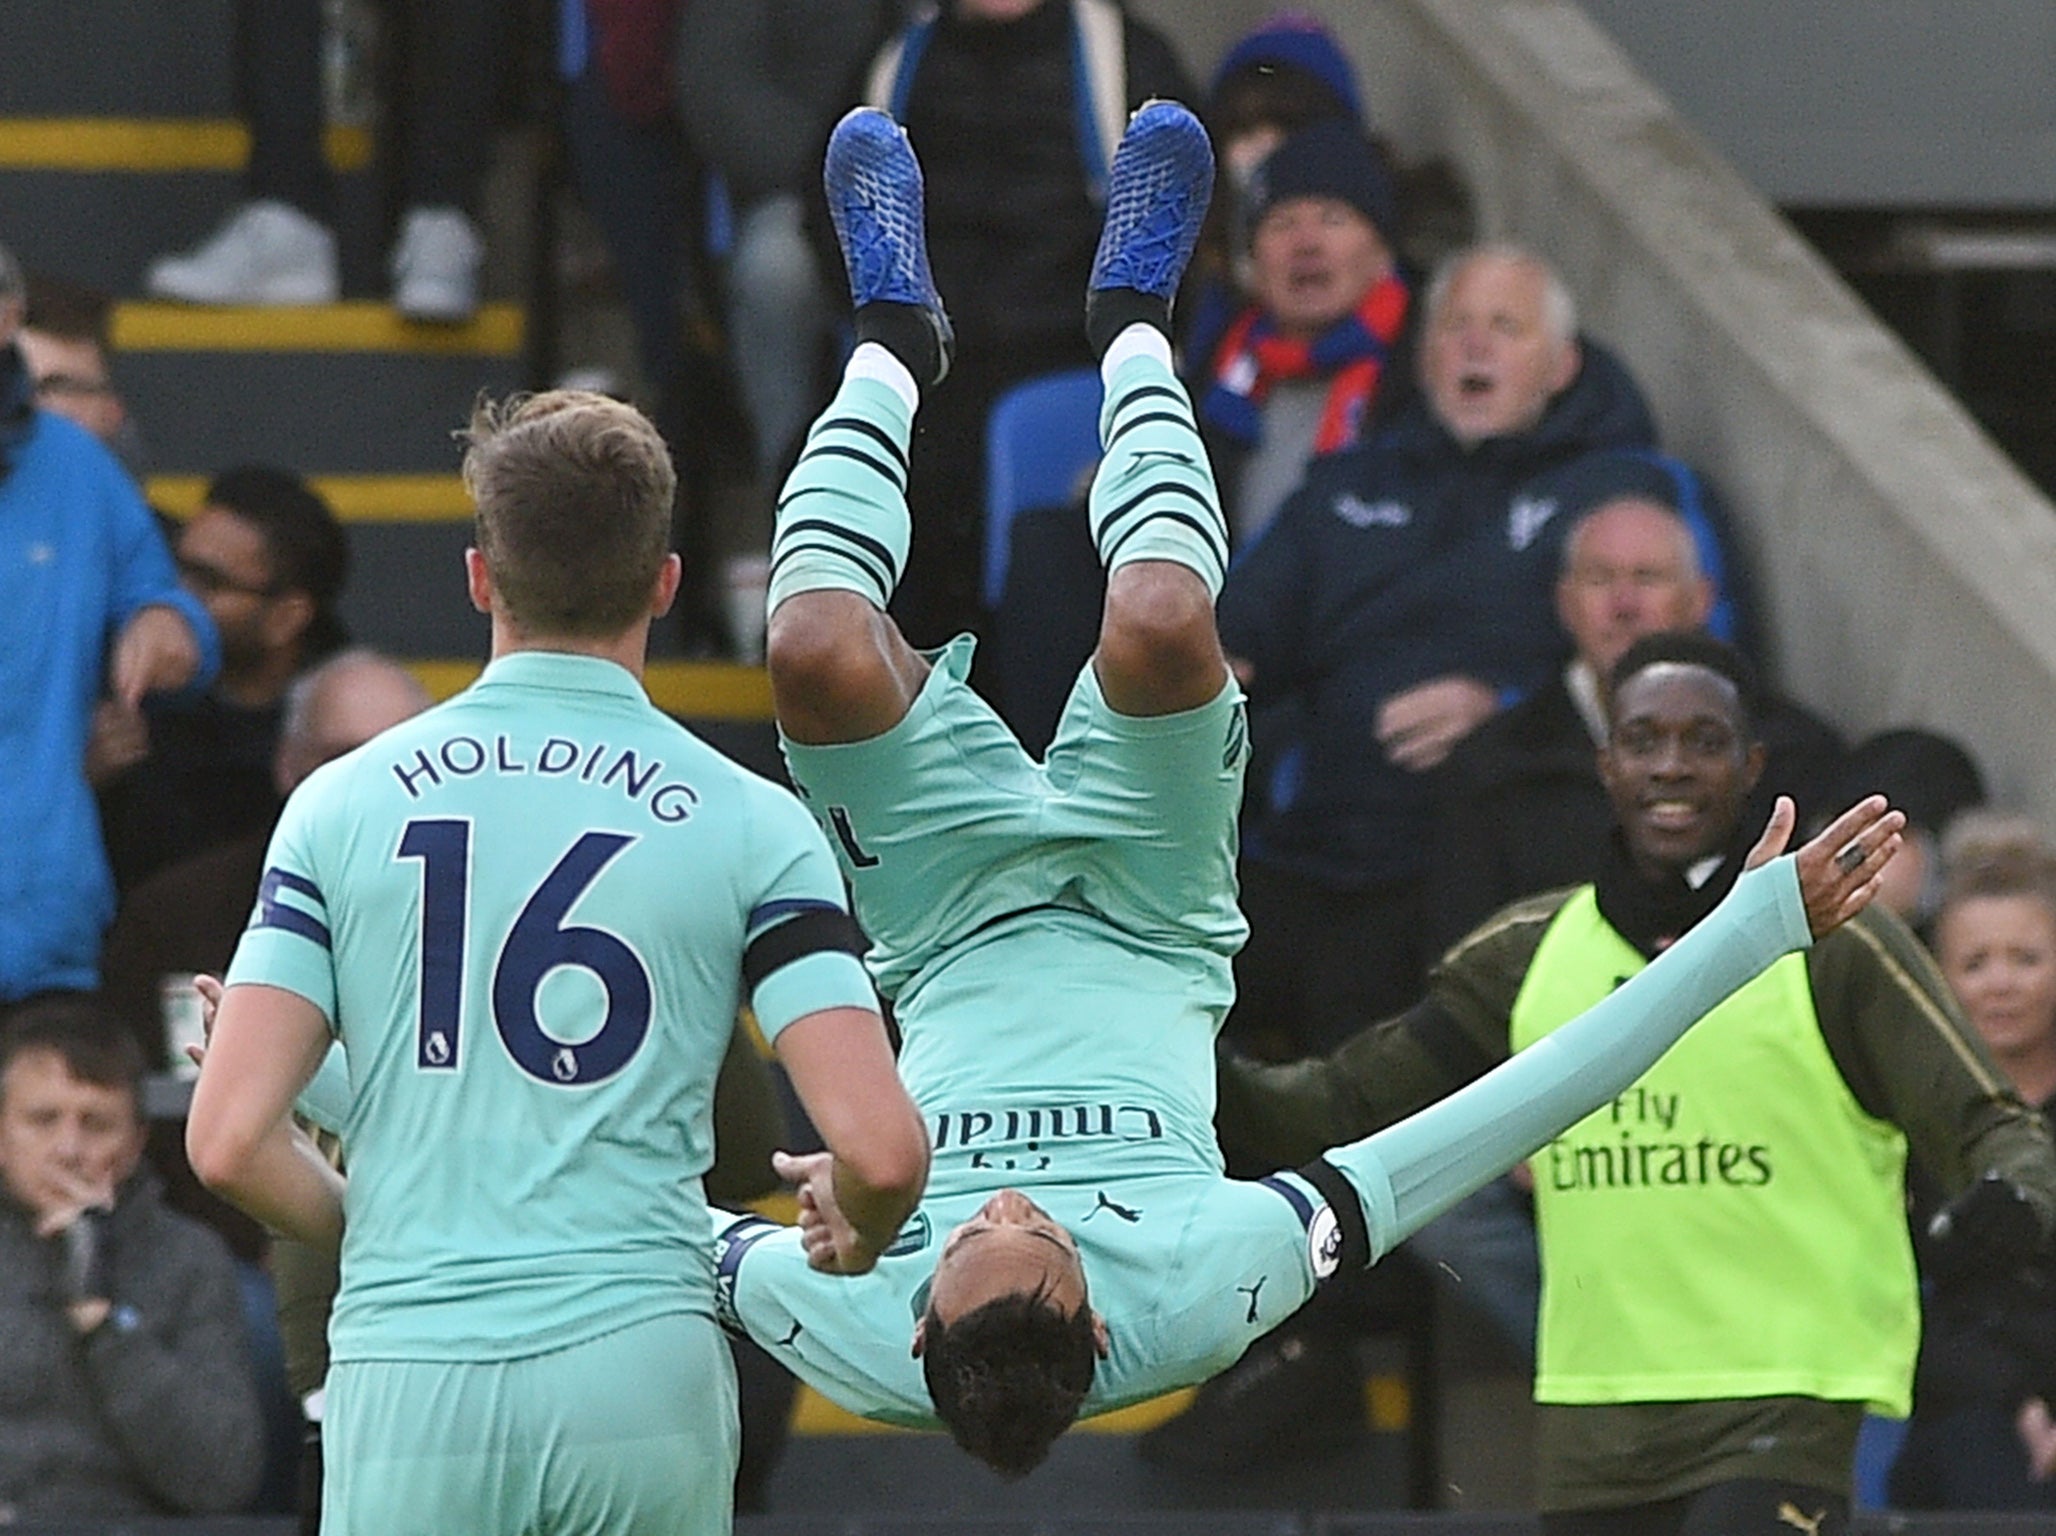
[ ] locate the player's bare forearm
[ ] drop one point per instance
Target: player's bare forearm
(265, 1045)
(842, 1068)
(285, 1183)
(875, 1212)
(831, 1239)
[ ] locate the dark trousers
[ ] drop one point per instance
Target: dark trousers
(1965, 1456)
(1321, 964)
(450, 53)
(1746, 1507)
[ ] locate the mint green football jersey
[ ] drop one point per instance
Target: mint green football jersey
(1057, 937)
(528, 916)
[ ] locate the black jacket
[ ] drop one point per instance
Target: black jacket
(155, 1411)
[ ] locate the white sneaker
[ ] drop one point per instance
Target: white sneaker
(266, 252)
(435, 266)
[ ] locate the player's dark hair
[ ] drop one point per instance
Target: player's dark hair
(95, 1046)
(307, 547)
(1693, 648)
(1008, 1377)
(573, 492)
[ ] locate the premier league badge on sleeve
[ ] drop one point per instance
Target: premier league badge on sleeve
(1324, 1243)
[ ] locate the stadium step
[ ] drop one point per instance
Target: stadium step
(119, 142)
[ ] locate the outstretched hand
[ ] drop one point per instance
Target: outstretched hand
(1841, 868)
(831, 1242)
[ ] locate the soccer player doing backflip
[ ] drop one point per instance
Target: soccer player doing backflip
(1056, 935)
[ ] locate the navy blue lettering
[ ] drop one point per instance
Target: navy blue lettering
(424, 770)
(473, 756)
(674, 802)
(625, 767)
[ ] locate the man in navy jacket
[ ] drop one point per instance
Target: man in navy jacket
(1401, 597)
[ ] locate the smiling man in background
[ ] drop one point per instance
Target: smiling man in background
(1755, 1174)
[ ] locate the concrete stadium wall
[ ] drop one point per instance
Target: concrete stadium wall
(1908, 570)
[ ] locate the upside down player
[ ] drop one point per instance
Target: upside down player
(1056, 936)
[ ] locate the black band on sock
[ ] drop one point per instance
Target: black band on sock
(1348, 1207)
(1110, 311)
(908, 333)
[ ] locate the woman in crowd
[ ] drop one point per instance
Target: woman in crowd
(1981, 1435)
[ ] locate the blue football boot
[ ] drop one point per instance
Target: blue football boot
(873, 183)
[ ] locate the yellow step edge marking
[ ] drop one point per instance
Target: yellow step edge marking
(356, 498)
(150, 144)
(705, 690)
(813, 1414)
(355, 326)
(1389, 1401)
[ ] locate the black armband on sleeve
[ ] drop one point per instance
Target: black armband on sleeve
(810, 933)
(1348, 1207)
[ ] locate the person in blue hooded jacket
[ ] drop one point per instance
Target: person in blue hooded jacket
(89, 602)
(1402, 595)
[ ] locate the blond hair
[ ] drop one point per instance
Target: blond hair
(1995, 853)
(573, 494)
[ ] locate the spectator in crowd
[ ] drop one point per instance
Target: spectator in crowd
(1521, 807)
(1285, 74)
(758, 87)
(1029, 96)
(628, 163)
(64, 341)
(125, 1384)
(87, 599)
(1981, 1435)
(1754, 1175)
(267, 557)
(279, 246)
(1302, 370)
(631, 167)
(1933, 780)
(1397, 600)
